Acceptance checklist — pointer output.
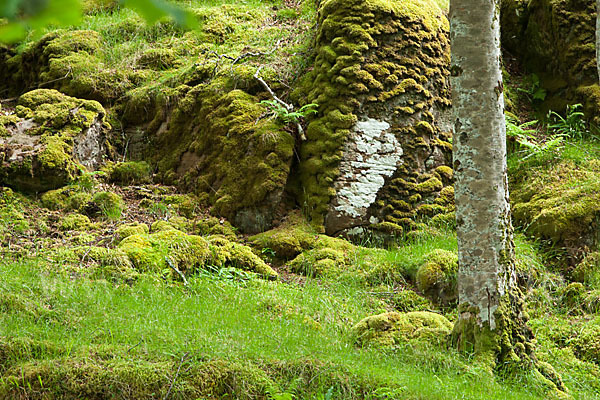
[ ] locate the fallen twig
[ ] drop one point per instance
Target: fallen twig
(170, 263)
(287, 106)
(176, 375)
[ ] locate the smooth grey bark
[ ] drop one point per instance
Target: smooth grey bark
(598, 36)
(485, 245)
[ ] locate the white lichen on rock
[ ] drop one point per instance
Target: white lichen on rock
(371, 154)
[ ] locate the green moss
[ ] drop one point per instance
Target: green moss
(320, 262)
(75, 222)
(213, 226)
(126, 230)
(58, 120)
(572, 297)
(369, 53)
(394, 328)
(588, 270)
(162, 225)
(436, 278)
(158, 59)
(67, 198)
(288, 240)
(240, 165)
(228, 253)
(559, 202)
(130, 173)
(111, 205)
(408, 300)
(154, 252)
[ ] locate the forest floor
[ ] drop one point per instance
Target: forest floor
(93, 303)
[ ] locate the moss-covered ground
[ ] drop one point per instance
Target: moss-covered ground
(115, 286)
(80, 317)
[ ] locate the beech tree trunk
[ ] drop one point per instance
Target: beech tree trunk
(490, 305)
(598, 36)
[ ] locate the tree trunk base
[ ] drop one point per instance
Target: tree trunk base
(511, 344)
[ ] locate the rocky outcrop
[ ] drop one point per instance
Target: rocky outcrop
(381, 81)
(556, 40)
(48, 139)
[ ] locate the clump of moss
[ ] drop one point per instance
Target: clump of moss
(289, 239)
(126, 230)
(408, 300)
(75, 222)
(130, 173)
(436, 278)
(294, 236)
(158, 59)
(184, 204)
(159, 251)
(587, 343)
(228, 253)
(395, 328)
(548, 203)
(213, 226)
(319, 262)
(111, 205)
(572, 297)
(154, 252)
(588, 270)
(12, 219)
(67, 198)
(162, 225)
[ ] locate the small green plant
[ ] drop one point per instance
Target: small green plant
(87, 180)
(160, 210)
(533, 91)
(286, 116)
(527, 141)
(573, 125)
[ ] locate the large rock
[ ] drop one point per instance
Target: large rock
(556, 40)
(380, 147)
(49, 139)
(214, 142)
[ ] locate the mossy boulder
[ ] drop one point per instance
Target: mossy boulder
(69, 61)
(131, 172)
(75, 222)
(68, 198)
(154, 252)
(55, 137)
(556, 40)
(320, 262)
(397, 328)
(157, 252)
(561, 203)
(126, 230)
(408, 300)
(294, 236)
(213, 226)
(436, 277)
(229, 253)
(213, 141)
(289, 239)
(380, 78)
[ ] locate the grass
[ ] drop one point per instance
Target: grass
(280, 328)
(267, 323)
